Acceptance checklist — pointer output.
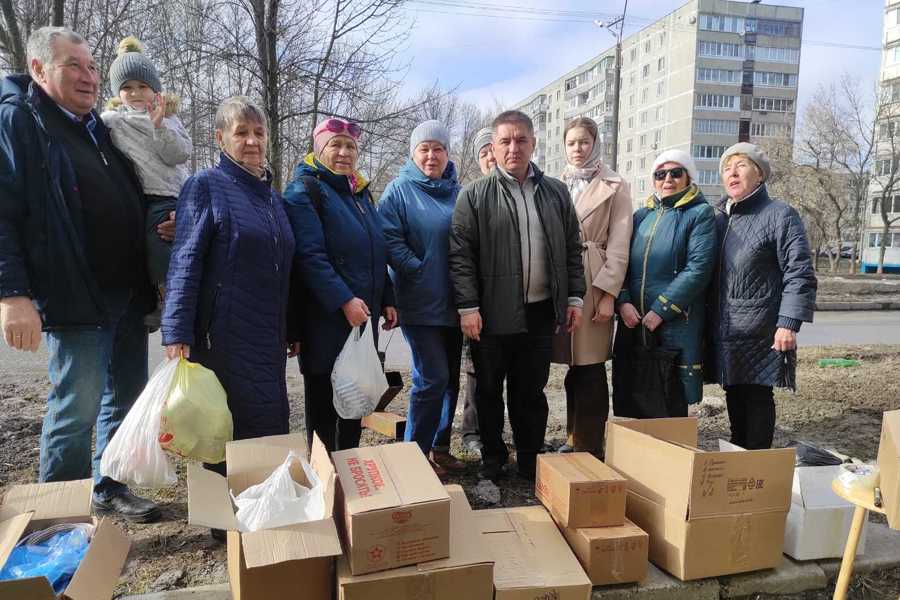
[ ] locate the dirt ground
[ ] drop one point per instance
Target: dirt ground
(834, 407)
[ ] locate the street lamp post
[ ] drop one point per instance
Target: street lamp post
(616, 28)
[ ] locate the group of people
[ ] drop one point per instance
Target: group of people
(99, 217)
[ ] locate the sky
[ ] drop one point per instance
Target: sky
(501, 59)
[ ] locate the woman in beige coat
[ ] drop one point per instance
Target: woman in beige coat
(603, 203)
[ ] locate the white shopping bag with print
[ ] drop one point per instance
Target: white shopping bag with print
(357, 379)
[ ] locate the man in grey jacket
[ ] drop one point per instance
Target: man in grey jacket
(515, 263)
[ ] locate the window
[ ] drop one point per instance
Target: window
(771, 79)
(628, 167)
(708, 177)
(770, 129)
(722, 23)
(571, 83)
(645, 71)
(894, 55)
(718, 101)
(632, 77)
(721, 50)
(628, 145)
(641, 185)
(647, 47)
(883, 167)
(706, 151)
(557, 95)
(661, 64)
(773, 104)
(643, 117)
(660, 88)
(643, 164)
(716, 126)
(645, 95)
(892, 207)
(893, 240)
(718, 75)
(632, 55)
(643, 141)
(630, 122)
(774, 28)
(657, 137)
(662, 38)
(659, 113)
(782, 55)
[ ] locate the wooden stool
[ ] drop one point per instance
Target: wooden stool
(864, 500)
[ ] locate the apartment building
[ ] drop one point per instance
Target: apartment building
(711, 73)
(888, 150)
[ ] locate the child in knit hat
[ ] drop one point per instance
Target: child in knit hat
(145, 127)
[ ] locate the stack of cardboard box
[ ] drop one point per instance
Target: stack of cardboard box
(586, 499)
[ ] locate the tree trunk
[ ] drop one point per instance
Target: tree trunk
(15, 47)
(57, 13)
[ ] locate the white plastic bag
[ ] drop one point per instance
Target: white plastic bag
(279, 500)
(134, 456)
(357, 379)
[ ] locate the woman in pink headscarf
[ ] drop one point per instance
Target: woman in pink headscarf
(340, 264)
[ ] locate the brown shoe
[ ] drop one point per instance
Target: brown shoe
(447, 461)
(440, 471)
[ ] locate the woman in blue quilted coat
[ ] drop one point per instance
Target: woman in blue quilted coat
(340, 267)
(673, 255)
(763, 290)
(227, 286)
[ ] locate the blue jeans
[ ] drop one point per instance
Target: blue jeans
(436, 354)
(95, 376)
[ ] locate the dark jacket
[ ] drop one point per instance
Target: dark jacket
(416, 213)
(341, 254)
(42, 232)
(673, 255)
(764, 279)
(227, 290)
(485, 251)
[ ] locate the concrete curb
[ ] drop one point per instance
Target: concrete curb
(831, 306)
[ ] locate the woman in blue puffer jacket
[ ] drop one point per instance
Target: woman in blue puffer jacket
(341, 269)
(228, 280)
(416, 210)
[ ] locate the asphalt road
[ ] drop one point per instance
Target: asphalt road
(829, 328)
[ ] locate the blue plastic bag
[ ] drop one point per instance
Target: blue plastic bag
(56, 558)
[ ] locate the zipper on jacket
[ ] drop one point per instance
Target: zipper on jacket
(719, 289)
(659, 214)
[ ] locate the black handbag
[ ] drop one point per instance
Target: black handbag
(646, 383)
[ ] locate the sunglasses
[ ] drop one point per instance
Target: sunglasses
(676, 173)
(341, 126)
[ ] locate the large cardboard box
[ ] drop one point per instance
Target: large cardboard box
(819, 520)
(707, 513)
(395, 510)
(611, 555)
(269, 563)
(889, 465)
(467, 574)
(580, 491)
(28, 508)
(531, 557)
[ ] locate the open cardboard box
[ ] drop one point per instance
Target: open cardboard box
(467, 573)
(889, 465)
(296, 561)
(707, 513)
(531, 557)
(395, 511)
(580, 491)
(28, 508)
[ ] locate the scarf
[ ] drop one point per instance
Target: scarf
(578, 178)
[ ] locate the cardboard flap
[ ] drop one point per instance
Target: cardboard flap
(99, 571)
(814, 485)
(295, 542)
(56, 501)
(890, 427)
(11, 531)
(741, 482)
(209, 504)
(493, 521)
(321, 464)
(580, 467)
(251, 461)
(33, 588)
(681, 430)
(412, 475)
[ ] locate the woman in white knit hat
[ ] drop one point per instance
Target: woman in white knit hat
(673, 254)
(603, 205)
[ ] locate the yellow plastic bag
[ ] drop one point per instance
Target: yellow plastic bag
(195, 421)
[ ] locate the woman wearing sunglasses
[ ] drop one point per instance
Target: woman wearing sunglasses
(603, 204)
(340, 267)
(673, 254)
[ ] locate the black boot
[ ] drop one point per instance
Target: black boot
(128, 506)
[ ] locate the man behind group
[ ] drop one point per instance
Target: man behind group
(72, 260)
(515, 264)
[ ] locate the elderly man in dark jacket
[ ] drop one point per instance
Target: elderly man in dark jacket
(515, 264)
(72, 260)
(764, 288)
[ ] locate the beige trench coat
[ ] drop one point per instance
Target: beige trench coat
(605, 216)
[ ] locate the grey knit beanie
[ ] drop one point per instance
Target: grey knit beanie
(482, 138)
(429, 131)
(132, 64)
(752, 151)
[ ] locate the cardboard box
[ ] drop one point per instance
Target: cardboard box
(27, 508)
(387, 424)
(889, 465)
(611, 555)
(269, 563)
(707, 513)
(531, 557)
(580, 491)
(468, 572)
(395, 510)
(819, 520)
